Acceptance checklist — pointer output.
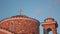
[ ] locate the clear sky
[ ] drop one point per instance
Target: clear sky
(38, 9)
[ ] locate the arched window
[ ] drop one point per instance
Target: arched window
(49, 31)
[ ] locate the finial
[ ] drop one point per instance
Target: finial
(49, 16)
(20, 11)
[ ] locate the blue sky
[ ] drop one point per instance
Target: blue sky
(38, 9)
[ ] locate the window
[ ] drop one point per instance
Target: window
(49, 31)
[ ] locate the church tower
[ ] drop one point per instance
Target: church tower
(49, 24)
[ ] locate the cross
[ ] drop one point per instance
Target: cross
(20, 11)
(49, 16)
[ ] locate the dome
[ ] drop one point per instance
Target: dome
(23, 16)
(20, 24)
(19, 16)
(49, 19)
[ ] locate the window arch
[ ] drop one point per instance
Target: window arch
(49, 31)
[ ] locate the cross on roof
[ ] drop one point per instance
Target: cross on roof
(49, 16)
(20, 11)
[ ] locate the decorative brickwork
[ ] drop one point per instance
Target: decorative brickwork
(20, 24)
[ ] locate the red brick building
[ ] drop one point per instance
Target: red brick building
(19, 24)
(50, 24)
